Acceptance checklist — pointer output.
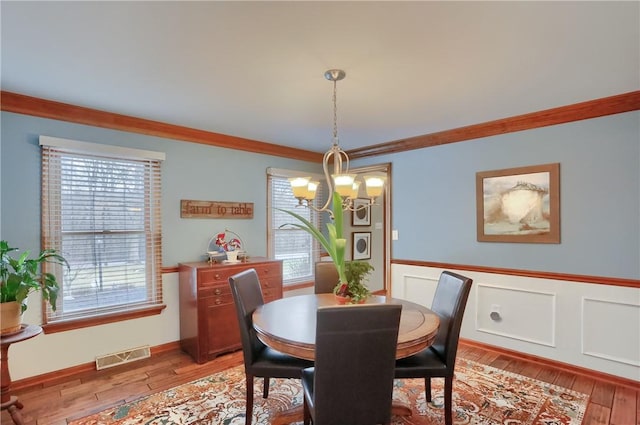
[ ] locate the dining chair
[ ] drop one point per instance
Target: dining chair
(438, 360)
(259, 360)
(326, 277)
(352, 380)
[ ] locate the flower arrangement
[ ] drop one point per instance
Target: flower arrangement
(354, 287)
(227, 246)
(335, 245)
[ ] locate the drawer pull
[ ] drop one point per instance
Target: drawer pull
(217, 276)
(218, 301)
(218, 291)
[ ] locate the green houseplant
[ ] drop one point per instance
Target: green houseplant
(355, 287)
(351, 278)
(21, 276)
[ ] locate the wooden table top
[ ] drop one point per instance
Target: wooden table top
(289, 324)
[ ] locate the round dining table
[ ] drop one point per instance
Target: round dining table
(289, 326)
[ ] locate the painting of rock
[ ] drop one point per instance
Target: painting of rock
(517, 203)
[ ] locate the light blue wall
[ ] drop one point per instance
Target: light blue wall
(436, 217)
(191, 171)
(434, 210)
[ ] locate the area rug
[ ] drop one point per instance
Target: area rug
(482, 395)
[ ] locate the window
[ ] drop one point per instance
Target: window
(101, 210)
(297, 249)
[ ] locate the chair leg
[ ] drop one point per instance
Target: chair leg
(307, 414)
(448, 390)
(427, 389)
(265, 387)
(249, 410)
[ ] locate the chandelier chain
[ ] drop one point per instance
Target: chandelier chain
(335, 113)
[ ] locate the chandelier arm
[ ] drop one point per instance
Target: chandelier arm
(320, 210)
(340, 164)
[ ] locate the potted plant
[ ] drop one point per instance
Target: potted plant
(21, 276)
(355, 289)
(334, 243)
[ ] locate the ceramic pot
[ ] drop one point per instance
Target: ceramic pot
(10, 318)
(341, 300)
(232, 256)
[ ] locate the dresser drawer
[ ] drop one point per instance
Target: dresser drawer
(217, 276)
(269, 271)
(270, 294)
(215, 291)
(218, 300)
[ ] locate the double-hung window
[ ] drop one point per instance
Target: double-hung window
(297, 249)
(101, 211)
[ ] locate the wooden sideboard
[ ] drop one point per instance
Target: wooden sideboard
(208, 321)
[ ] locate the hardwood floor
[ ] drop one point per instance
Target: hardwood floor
(72, 398)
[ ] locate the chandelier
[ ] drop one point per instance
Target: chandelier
(346, 184)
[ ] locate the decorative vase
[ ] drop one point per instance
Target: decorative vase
(232, 256)
(10, 318)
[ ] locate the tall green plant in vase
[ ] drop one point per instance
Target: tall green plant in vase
(335, 245)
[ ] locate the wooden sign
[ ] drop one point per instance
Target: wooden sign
(212, 209)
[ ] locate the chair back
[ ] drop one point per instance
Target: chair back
(247, 296)
(449, 303)
(354, 363)
(326, 277)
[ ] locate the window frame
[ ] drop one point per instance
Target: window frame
(317, 218)
(53, 149)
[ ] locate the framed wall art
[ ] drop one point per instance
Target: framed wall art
(519, 204)
(361, 212)
(361, 246)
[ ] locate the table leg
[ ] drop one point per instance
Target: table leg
(13, 406)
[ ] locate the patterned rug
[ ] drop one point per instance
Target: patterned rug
(482, 395)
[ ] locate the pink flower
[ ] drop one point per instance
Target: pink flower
(233, 244)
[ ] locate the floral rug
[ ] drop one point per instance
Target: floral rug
(482, 395)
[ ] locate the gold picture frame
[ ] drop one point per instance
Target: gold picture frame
(520, 205)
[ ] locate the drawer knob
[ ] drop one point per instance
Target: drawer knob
(218, 291)
(218, 301)
(217, 276)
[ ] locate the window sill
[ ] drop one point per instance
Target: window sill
(68, 325)
(298, 286)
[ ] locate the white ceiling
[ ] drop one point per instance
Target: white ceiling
(255, 69)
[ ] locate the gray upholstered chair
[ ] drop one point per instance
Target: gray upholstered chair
(352, 381)
(438, 361)
(259, 360)
(326, 277)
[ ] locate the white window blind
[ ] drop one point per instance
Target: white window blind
(101, 210)
(297, 249)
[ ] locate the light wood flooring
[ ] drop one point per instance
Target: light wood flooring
(91, 392)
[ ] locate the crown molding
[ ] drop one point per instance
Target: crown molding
(580, 111)
(22, 104)
(27, 105)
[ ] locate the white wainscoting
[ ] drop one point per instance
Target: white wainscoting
(592, 326)
(525, 315)
(599, 317)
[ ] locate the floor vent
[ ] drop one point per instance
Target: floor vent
(122, 357)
